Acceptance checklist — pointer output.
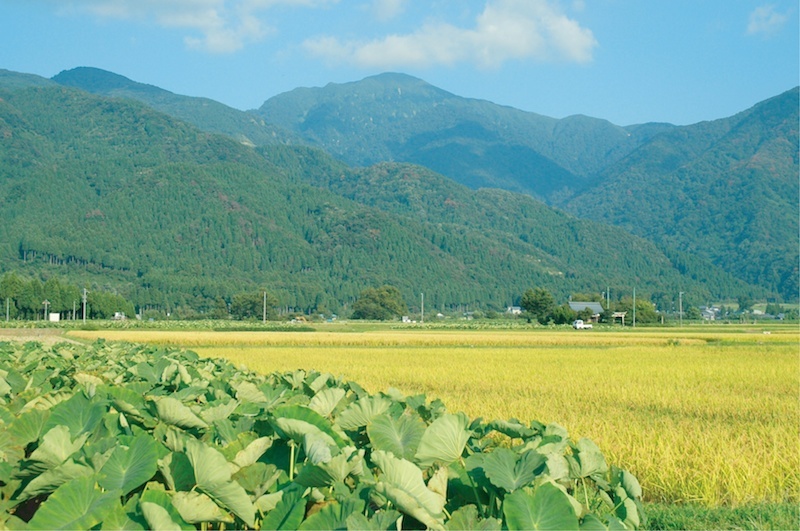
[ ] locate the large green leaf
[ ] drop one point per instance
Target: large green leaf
(326, 400)
(174, 412)
(155, 495)
(466, 519)
(29, 426)
(294, 422)
(333, 516)
(177, 471)
(77, 504)
(125, 518)
(213, 476)
(50, 480)
(402, 484)
(512, 428)
(130, 467)
(547, 508)
(510, 471)
(361, 412)
(631, 485)
(401, 436)
(593, 523)
(55, 447)
(258, 478)
(248, 392)
(385, 520)
(219, 410)
(288, 513)
(252, 452)
(196, 507)
(79, 414)
(587, 459)
(130, 403)
(444, 440)
(158, 518)
(349, 461)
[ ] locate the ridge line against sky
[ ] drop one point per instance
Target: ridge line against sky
(628, 61)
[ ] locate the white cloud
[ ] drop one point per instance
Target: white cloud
(505, 30)
(219, 26)
(765, 20)
(388, 9)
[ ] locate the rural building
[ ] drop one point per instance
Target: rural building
(595, 307)
(514, 310)
(709, 313)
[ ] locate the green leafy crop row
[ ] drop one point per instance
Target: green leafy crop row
(121, 436)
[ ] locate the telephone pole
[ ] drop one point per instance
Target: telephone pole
(680, 307)
(422, 308)
(264, 315)
(85, 292)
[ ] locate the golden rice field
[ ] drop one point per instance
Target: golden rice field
(707, 415)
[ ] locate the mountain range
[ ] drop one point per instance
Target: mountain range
(178, 201)
(724, 190)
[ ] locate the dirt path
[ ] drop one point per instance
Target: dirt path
(46, 336)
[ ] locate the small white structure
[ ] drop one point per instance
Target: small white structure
(514, 310)
(54, 317)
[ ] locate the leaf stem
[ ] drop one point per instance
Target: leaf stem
(585, 494)
(474, 488)
(291, 460)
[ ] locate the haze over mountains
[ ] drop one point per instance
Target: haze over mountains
(116, 192)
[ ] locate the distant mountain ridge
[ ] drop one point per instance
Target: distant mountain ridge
(396, 117)
(205, 113)
(110, 192)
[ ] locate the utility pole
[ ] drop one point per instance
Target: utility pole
(422, 308)
(264, 315)
(8, 305)
(46, 303)
(84, 305)
(680, 307)
(634, 307)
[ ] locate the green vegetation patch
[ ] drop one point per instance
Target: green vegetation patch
(757, 516)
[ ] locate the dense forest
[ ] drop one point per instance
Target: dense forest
(114, 196)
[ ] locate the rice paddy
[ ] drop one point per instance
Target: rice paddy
(703, 415)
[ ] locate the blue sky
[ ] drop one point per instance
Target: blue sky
(628, 61)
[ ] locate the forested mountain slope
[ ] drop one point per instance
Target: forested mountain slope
(395, 117)
(569, 249)
(206, 114)
(113, 193)
(726, 191)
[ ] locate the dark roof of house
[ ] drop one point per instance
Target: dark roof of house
(580, 306)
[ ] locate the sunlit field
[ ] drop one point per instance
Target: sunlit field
(706, 415)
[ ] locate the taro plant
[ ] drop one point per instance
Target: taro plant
(121, 436)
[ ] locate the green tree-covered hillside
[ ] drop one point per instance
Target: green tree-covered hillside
(725, 191)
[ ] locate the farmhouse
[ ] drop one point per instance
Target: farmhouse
(595, 307)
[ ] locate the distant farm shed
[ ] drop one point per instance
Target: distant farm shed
(595, 307)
